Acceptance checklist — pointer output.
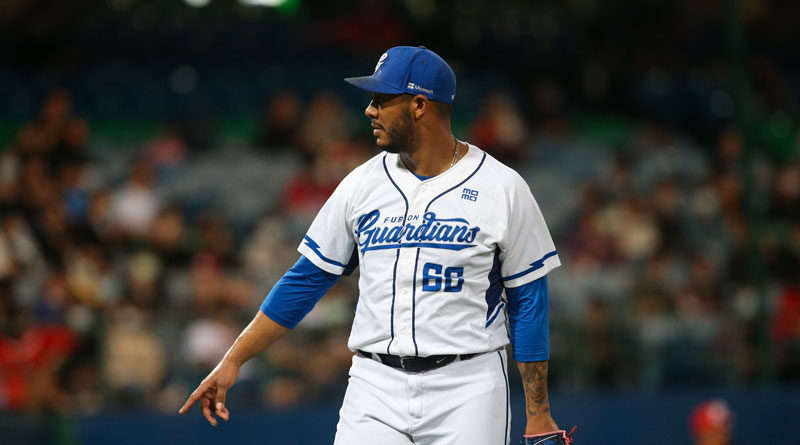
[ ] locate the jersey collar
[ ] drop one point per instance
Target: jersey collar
(408, 181)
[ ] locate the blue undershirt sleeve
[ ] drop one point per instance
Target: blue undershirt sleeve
(296, 293)
(529, 324)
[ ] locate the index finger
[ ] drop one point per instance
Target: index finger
(194, 397)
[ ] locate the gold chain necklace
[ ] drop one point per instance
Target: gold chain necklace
(455, 152)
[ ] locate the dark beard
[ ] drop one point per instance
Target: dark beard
(402, 136)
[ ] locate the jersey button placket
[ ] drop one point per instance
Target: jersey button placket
(404, 319)
(403, 304)
(416, 208)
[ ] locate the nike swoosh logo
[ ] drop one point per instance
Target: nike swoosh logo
(441, 360)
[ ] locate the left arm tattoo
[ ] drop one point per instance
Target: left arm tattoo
(534, 379)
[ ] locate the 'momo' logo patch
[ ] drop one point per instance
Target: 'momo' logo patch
(469, 194)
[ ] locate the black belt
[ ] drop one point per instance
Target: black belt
(416, 364)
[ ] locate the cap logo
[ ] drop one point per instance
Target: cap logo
(413, 86)
(380, 61)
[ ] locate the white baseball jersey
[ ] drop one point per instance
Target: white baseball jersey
(434, 255)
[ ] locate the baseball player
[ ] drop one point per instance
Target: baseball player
(453, 255)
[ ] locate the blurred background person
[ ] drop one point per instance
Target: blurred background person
(711, 423)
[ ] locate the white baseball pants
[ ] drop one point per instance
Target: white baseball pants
(462, 402)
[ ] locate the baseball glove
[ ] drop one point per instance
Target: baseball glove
(559, 437)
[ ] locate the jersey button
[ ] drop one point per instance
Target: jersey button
(424, 188)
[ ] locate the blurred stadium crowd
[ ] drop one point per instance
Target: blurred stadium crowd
(126, 270)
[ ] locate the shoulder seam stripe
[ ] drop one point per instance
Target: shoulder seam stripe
(315, 247)
(536, 265)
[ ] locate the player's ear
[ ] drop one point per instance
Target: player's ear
(418, 106)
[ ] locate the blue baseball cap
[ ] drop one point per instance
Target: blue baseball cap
(413, 70)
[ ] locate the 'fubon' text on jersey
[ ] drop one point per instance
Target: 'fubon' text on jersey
(434, 255)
